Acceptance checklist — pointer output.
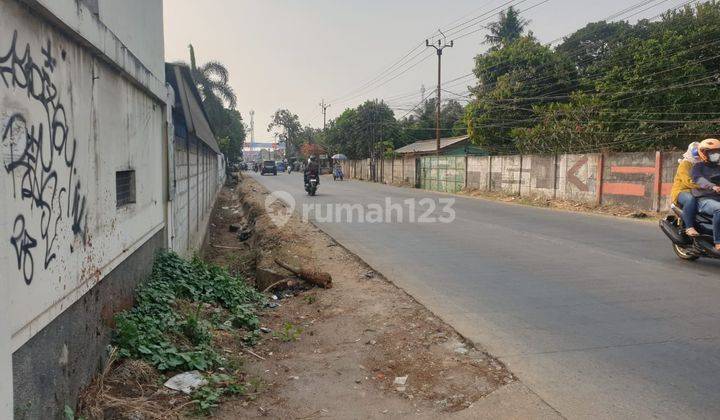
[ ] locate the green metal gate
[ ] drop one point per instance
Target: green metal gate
(442, 173)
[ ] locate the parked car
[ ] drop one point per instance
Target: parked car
(268, 167)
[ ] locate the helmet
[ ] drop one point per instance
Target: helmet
(312, 159)
(709, 147)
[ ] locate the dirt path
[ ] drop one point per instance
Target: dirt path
(342, 352)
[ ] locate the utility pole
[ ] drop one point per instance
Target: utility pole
(252, 129)
(422, 93)
(324, 107)
(441, 45)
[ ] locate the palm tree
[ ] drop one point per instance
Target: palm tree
(212, 81)
(507, 29)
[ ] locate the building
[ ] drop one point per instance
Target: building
(94, 180)
(451, 146)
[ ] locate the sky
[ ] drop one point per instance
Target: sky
(294, 53)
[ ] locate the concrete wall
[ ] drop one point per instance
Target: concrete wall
(77, 106)
(50, 369)
(199, 177)
(142, 33)
(641, 180)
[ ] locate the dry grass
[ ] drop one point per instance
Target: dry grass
(130, 389)
(610, 209)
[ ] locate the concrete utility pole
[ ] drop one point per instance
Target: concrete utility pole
(441, 45)
(252, 130)
(324, 107)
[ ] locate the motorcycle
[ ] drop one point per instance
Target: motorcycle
(337, 174)
(689, 248)
(312, 184)
(289, 168)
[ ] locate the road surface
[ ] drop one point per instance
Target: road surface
(594, 314)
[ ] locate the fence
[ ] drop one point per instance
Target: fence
(642, 180)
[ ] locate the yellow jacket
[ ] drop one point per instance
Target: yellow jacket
(683, 180)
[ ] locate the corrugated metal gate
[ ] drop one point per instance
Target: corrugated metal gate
(442, 173)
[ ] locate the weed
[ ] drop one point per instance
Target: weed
(208, 396)
(288, 332)
(310, 299)
(170, 340)
(172, 324)
(69, 414)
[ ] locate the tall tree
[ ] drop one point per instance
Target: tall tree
(212, 81)
(366, 131)
(509, 27)
(511, 80)
(288, 127)
(420, 125)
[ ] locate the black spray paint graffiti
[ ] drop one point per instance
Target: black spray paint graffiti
(37, 151)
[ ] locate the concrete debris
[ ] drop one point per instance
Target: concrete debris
(461, 350)
(266, 330)
(272, 305)
(400, 389)
(186, 382)
(400, 380)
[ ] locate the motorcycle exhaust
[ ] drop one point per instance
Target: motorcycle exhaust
(707, 246)
(674, 234)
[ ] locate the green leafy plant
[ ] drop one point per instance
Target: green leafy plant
(288, 332)
(171, 339)
(69, 414)
(208, 397)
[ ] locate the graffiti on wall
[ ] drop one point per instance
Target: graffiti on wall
(39, 156)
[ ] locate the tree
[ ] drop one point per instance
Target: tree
(592, 45)
(656, 88)
(212, 81)
(511, 80)
(420, 125)
(509, 27)
(229, 129)
(365, 131)
(311, 149)
(288, 129)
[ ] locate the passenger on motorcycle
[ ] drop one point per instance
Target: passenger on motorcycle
(313, 169)
(682, 189)
(706, 174)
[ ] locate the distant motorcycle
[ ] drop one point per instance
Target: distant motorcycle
(312, 185)
(338, 174)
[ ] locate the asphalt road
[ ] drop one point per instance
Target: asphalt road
(594, 314)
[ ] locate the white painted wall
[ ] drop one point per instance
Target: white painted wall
(63, 135)
(139, 24)
(6, 384)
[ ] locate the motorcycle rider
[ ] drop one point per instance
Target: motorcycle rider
(703, 174)
(682, 189)
(312, 169)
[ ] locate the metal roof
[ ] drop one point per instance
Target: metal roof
(424, 146)
(195, 116)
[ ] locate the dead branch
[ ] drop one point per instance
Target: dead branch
(318, 278)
